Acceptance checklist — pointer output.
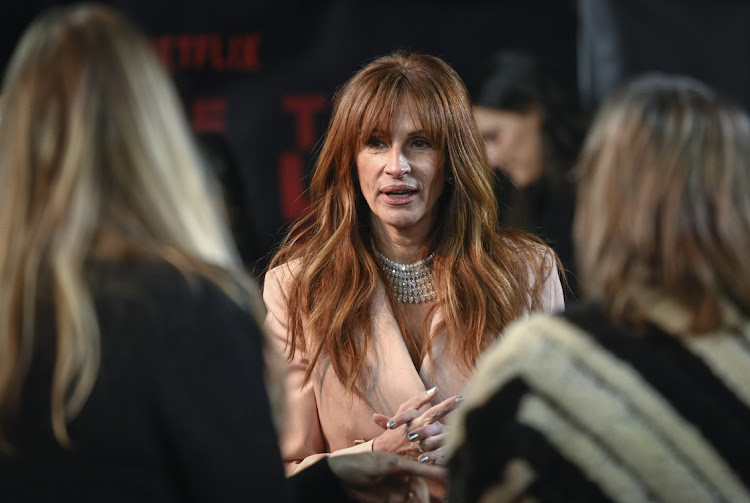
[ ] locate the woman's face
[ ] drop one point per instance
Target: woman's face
(514, 142)
(400, 176)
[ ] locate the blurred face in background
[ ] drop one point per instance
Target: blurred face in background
(514, 142)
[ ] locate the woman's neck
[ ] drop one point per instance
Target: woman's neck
(404, 248)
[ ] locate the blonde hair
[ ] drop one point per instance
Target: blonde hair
(96, 161)
(664, 200)
(485, 276)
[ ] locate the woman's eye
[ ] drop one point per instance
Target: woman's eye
(420, 143)
(375, 142)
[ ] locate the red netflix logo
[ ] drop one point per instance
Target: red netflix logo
(304, 108)
(194, 52)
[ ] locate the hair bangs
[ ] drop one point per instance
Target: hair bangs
(393, 91)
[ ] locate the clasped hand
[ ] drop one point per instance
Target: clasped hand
(414, 434)
(372, 477)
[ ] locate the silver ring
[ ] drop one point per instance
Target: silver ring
(419, 446)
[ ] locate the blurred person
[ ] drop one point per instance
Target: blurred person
(384, 294)
(533, 126)
(131, 362)
(218, 155)
(643, 392)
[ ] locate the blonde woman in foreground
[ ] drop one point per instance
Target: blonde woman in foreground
(131, 363)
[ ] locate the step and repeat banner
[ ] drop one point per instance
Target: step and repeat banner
(257, 77)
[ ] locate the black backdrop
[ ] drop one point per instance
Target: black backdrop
(257, 77)
(708, 39)
(260, 74)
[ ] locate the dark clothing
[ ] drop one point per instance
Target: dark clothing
(547, 211)
(574, 407)
(179, 411)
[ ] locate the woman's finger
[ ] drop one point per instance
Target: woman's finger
(440, 458)
(400, 466)
(433, 443)
(439, 411)
(426, 431)
(394, 422)
(436, 456)
(409, 411)
(402, 418)
(381, 420)
(418, 400)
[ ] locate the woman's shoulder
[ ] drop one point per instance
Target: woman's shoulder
(527, 245)
(582, 332)
(282, 274)
(173, 318)
(542, 267)
(155, 293)
(146, 280)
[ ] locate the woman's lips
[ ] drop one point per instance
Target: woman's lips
(398, 195)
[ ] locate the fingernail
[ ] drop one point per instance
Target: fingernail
(413, 436)
(424, 459)
(459, 399)
(390, 424)
(431, 390)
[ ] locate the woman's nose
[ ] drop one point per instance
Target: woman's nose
(397, 163)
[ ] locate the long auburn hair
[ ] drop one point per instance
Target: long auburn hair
(485, 276)
(96, 162)
(664, 200)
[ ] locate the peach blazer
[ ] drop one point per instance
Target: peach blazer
(320, 418)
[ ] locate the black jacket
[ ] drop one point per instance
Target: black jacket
(179, 411)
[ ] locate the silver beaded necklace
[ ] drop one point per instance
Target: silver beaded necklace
(412, 283)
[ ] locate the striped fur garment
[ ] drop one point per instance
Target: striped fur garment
(574, 408)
